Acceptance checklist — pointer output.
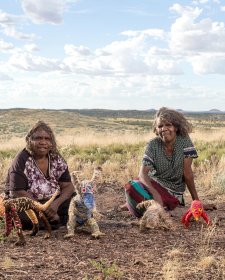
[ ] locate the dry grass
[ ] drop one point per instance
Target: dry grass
(4, 165)
(171, 269)
(87, 138)
(211, 181)
(214, 134)
(203, 259)
(90, 137)
(207, 262)
(207, 236)
(15, 143)
(7, 262)
(82, 139)
(209, 177)
(175, 253)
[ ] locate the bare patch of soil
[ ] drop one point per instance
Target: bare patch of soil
(124, 252)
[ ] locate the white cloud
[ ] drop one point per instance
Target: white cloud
(155, 33)
(31, 47)
(45, 11)
(120, 58)
(8, 23)
(10, 31)
(72, 50)
(137, 54)
(186, 11)
(143, 66)
(190, 37)
(4, 77)
(208, 64)
(4, 46)
(28, 62)
(82, 91)
(196, 2)
(6, 18)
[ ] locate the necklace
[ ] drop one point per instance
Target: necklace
(47, 175)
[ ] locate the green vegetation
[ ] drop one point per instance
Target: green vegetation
(2, 229)
(207, 149)
(8, 154)
(107, 270)
(114, 153)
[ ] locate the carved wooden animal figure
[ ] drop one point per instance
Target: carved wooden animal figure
(82, 208)
(155, 216)
(16, 205)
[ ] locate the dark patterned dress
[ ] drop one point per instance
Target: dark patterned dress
(24, 174)
(165, 171)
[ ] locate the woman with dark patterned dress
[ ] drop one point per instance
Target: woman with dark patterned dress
(38, 171)
(166, 166)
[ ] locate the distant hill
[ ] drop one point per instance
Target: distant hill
(105, 113)
(17, 122)
(215, 111)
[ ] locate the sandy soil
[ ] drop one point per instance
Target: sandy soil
(124, 252)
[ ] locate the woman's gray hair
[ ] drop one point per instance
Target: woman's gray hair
(40, 125)
(178, 120)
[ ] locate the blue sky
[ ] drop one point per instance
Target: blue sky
(120, 54)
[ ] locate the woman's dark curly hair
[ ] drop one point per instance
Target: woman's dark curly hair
(40, 125)
(178, 120)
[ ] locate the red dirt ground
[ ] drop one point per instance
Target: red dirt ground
(123, 253)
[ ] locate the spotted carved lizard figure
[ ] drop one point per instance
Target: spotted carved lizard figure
(15, 205)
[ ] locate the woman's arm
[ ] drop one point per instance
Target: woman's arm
(67, 189)
(145, 179)
(189, 178)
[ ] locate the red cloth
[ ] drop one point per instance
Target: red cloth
(168, 199)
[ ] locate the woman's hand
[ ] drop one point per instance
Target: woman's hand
(67, 189)
(209, 206)
(157, 197)
(52, 210)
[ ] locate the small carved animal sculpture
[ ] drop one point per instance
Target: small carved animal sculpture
(196, 210)
(82, 209)
(19, 204)
(155, 216)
